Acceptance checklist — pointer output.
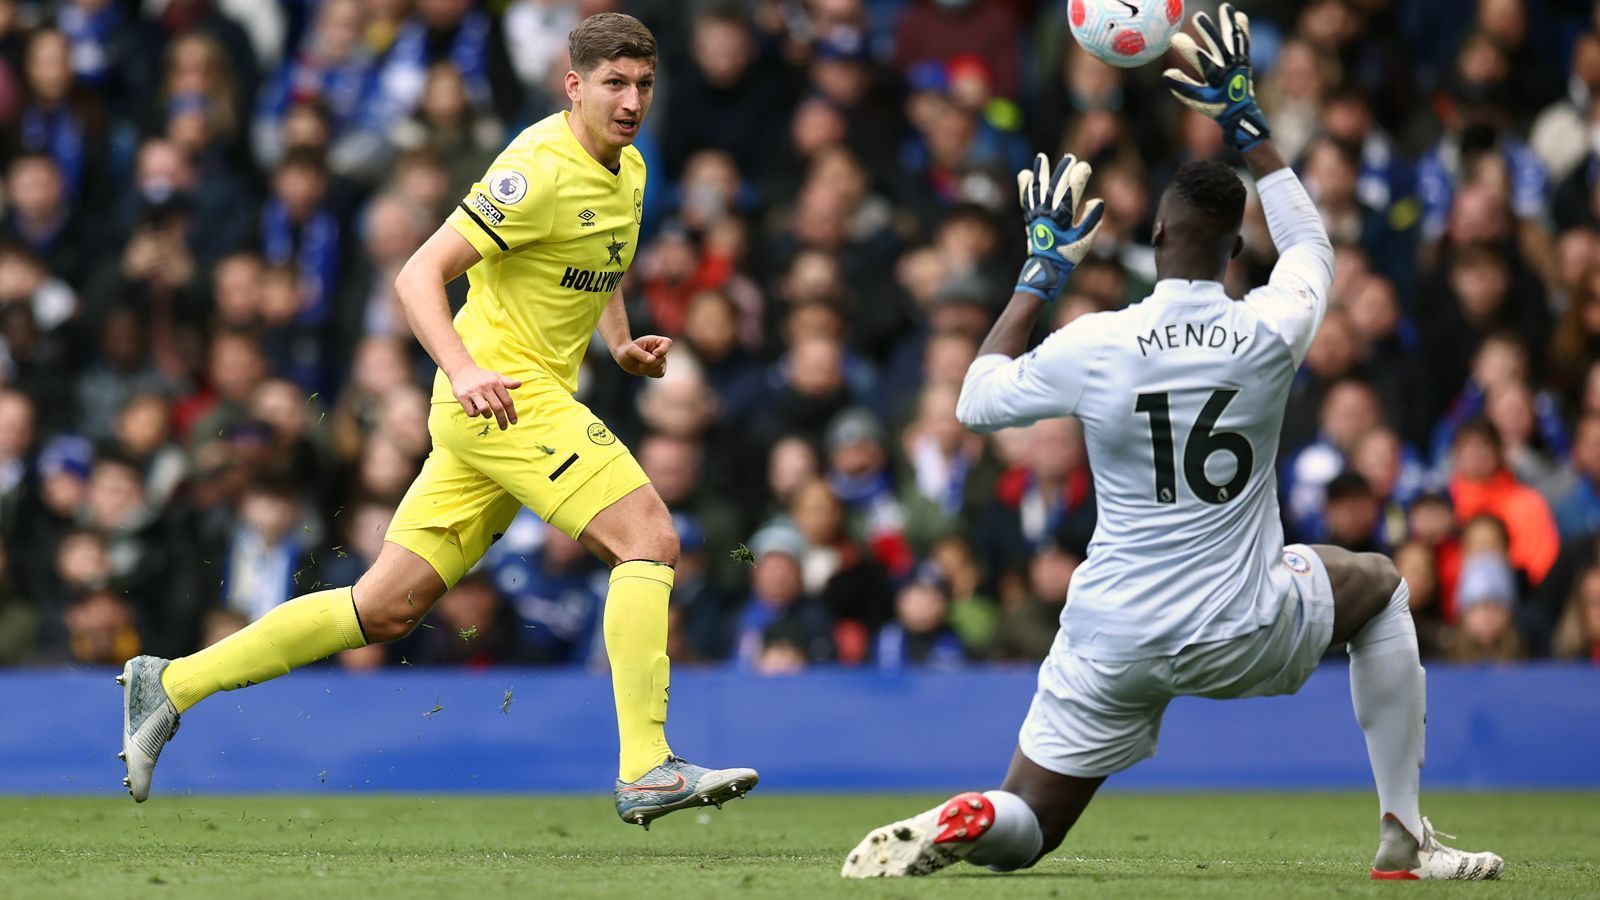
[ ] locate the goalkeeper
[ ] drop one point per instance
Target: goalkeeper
(1188, 589)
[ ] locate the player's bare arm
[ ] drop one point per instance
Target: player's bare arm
(420, 287)
(645, 356)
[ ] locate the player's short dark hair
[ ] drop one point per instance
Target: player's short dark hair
(1211, 188)
(606, 36)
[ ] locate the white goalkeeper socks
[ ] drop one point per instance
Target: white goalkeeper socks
(1389, 690)
(1014, 839)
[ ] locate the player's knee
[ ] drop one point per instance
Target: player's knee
(387, 626)
(665, 546)
(389, 618)
(1382, 574)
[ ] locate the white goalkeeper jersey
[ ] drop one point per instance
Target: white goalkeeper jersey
(1181, 398)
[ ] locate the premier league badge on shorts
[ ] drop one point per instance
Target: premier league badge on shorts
(1297, 563)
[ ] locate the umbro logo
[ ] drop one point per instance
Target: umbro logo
(586, 219)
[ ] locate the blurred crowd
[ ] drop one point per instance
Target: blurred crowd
(210, 401)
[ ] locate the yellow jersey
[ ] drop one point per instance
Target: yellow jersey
(556, 230)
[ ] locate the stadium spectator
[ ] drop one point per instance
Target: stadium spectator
(393, 228)
(714, 329)
(810, 390)
(1481, 484)
(1578, 633)
(675, 464)
(1349, 410)
(942, 458)
(1486, 631)
(1475, 120)
(204, 219)
(472, 627)
(1577, 335)
(62, 470)
(1577, 509)
(554, 587)
(41, 217)
(536, 42)
(19, 618)
(1500, 363)
(1534, 458)
(940, 31)
(202, 103)
(300, 229)
(449, 122)
(779, 604)
(100, 629)
(860, 475)
(1416, 564)
(1351, 514)
(727, 99)
(331, 67)
(840, 569)
(920, 636)
(64, 120)
(1047, 500)
(445, 31)
(265, 558)
(25, 282)
(973, 615)
(121, 370)
(143, 436)
(1552, 130)
(378, 363)
(1395, 476)
(1029, 617)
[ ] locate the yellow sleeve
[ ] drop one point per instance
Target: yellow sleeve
(512, 205)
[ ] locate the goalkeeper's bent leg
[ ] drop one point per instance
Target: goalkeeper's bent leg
(301, 631)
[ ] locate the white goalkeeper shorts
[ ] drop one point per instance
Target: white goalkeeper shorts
(1091, 718)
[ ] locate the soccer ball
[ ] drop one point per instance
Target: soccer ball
(1125, 33)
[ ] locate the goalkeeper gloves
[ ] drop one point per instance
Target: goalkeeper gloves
(1225, 90)
(1058, 239)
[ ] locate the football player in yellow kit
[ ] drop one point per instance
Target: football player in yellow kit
(544, 238)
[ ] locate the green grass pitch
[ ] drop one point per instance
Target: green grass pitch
(768, 846)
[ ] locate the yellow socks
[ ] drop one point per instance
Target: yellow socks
(636, 642)
(301, 631)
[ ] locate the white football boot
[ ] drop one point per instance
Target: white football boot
(1401, 858)
(149, 720)
(923, 844)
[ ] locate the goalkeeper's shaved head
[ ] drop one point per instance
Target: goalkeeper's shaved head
(1197, 224)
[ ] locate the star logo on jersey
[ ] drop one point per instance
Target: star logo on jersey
(615, 248)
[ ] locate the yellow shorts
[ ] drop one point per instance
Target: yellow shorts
(559, 460)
